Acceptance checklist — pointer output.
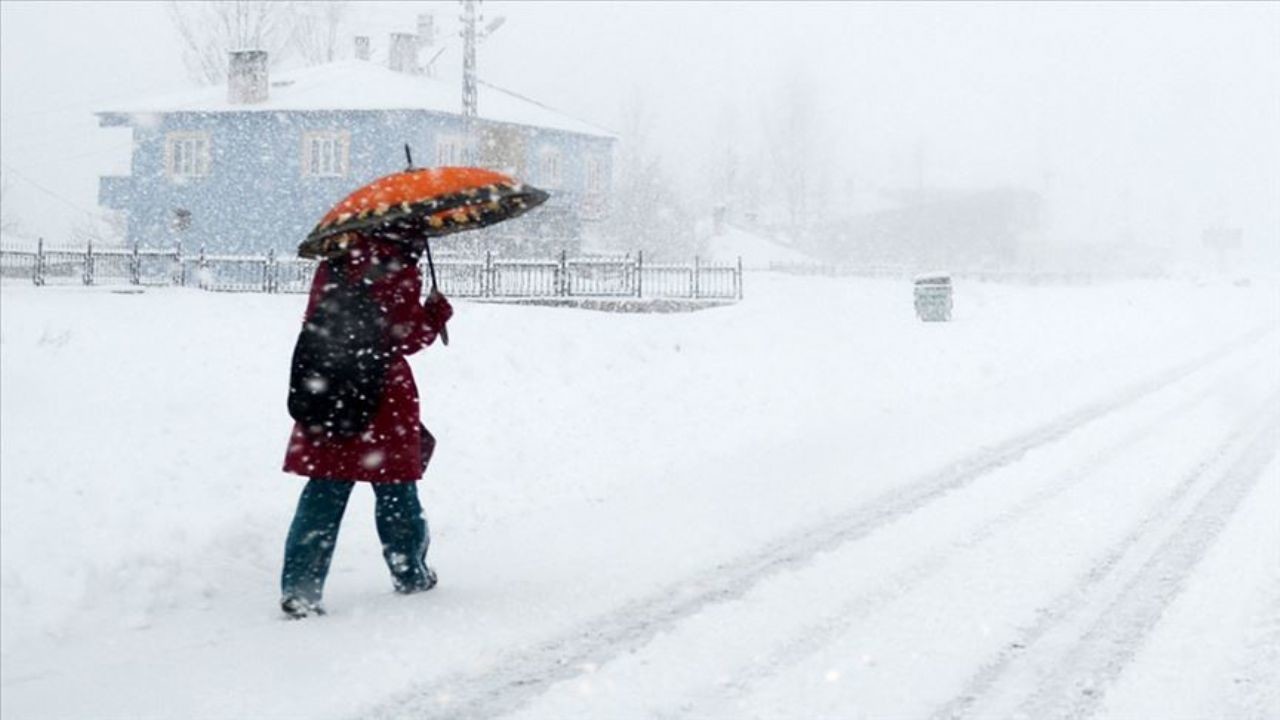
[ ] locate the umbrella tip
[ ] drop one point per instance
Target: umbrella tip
(408, 157)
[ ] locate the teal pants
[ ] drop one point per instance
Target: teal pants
(402, 528)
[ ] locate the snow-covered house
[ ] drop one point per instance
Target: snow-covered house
(254, 164)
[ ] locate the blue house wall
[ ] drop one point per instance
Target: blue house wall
(255, 197)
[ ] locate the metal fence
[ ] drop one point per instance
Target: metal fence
(89, 265)
(459, 277)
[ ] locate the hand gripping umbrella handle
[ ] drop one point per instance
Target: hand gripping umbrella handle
(442, 330)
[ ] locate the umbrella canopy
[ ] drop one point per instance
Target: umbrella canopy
(422, 203)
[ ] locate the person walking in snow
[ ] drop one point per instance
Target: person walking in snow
(387, 447)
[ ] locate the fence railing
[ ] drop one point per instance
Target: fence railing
(88, 266)
(458, 277)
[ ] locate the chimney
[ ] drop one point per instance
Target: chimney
(426, 30)
(403, 54)
(363, 51)
(247, 77)
(426, 43)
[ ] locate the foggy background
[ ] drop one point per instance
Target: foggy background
(1133, 126)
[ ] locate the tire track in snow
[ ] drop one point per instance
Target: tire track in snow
(818, 635)
(523, 675)
(1256, 693)
(1075, 686)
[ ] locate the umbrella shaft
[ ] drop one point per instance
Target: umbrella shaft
(431, 266)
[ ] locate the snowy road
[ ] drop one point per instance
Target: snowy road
(1180, 490)
(1064, 504)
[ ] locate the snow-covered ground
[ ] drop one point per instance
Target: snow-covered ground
(755, 251)
(1064, 503)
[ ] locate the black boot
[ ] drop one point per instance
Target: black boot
(428, 582)
(297, 608)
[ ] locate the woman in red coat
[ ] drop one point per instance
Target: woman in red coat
(388, 454)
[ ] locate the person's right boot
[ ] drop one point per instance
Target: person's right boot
(296, 608)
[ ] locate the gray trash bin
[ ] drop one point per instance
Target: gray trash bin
(933, 297)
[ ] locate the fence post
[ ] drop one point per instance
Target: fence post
(135, 266)
(563, 271)
(639, 273)
(267, 267)
(739, 277)
(37, 277)
(486, 277)
(202, 270)
(179, 270)
(87, 274)
(697, 271)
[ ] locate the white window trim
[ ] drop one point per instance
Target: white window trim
(341, 157)
(594, 204)
(201, 154)
(554, 176)
(451, 149)
(593, 175)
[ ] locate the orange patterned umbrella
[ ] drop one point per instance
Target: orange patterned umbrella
(421, 203)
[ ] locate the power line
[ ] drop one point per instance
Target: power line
(52, 138)
(88, 153)
(47, 127)
(47, 191)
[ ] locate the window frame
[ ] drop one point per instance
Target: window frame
(190, 148)
(593, 176)
(550, 167)
(457, 146)
(339, 153)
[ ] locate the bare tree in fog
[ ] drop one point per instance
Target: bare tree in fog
(102, 228)
(734, 169)
(648, 213)
(8, 223)
(315, 32)
(791, 147)
(210, 29)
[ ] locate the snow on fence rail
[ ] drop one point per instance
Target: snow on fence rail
(488, 277)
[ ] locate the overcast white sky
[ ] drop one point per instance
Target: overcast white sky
(1161, 116)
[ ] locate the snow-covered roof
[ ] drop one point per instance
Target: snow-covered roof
(756, 251)
(364, 85)
(933, 277)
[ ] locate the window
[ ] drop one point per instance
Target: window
(595, 176)
(325, 153)
(592, 206)
(451, 150)
(187, 154)
(549, 168)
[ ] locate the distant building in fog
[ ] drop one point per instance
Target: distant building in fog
(945, 229)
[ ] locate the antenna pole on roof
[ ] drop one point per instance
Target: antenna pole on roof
(408, 158)
(469, 59)
(470, 37)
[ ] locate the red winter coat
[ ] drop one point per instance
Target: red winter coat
(390, 449)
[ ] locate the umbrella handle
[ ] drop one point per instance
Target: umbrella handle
(443, 331)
